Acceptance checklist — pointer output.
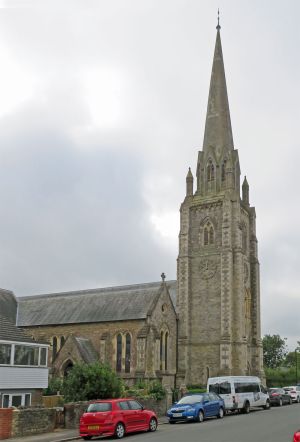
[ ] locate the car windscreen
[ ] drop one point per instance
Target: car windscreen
(98, 407)
(192, 399)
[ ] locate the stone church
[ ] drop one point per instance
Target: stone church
(207, 323)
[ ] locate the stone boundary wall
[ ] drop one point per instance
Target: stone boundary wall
(5, 422)
(73, 411)
(29, 421)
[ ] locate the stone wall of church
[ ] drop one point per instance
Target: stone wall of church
(153, 343)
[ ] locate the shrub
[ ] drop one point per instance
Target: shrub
(156, 390)
(280, 377)
(92, 381)
(196, 388)
(145, 389)
(55, 385)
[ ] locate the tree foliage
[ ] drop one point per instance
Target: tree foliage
(55, 385)
(91, 381)
(274, 351)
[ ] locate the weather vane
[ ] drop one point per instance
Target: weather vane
(218, 25)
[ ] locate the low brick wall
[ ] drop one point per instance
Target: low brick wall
(73, 411)
(29, 421)
(5, 422)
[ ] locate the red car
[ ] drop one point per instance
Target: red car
(116, 417)
(297, 436)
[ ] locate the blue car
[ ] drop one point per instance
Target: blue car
(196, 407)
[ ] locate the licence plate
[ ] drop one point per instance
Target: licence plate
(93, 427)
(177, 414)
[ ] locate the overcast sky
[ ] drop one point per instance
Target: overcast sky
(102, 111)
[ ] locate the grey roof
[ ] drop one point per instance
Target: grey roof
(87, 350)
(9, 332)
(8, 305)
(172, 286)
(96, 305)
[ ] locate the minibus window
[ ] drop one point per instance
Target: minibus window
(225, 388)
(214, 388)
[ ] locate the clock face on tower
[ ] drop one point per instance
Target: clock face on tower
(207, 268)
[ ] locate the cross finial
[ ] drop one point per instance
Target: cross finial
(163, 277)
(218, 25)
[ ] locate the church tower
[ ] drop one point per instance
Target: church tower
(218, 270)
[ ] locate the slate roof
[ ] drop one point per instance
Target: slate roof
(87, 350)
(8, 305)
(97, 305)
(9, 332)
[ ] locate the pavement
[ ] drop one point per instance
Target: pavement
(60, 435)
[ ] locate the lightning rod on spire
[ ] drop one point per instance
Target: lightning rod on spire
(218, 25)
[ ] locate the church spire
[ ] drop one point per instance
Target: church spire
(218, 133)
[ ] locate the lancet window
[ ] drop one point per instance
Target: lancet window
(223, 171)
(119, 353)
(210, 170)
(163, 351)
(123, 352)
(54, 348)
(127, 353)
(208, 234)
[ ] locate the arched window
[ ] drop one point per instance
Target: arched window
(205, 236)
(119, 353)
(166, 350)
(67, 368)
(161, 350)
(223, 171)
(211, 235)
(127, 353)
(208, 234)
(62, 341)
(210, 170)
(54, 348)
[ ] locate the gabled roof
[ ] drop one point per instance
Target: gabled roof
(9, 332)
(97, 305)
(86, 349)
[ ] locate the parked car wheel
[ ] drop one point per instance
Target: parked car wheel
(267, 405)
(246, 408)
(291, 401)
(280, 402)
(153, 424)
(221, 413)
(298, 399)
(120, 431)
(171, 422)
(200, 416)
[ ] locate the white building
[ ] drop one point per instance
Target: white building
(23, 363)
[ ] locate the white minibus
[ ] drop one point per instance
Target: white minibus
(240, 392)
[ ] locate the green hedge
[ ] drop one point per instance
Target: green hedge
(281, 377)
